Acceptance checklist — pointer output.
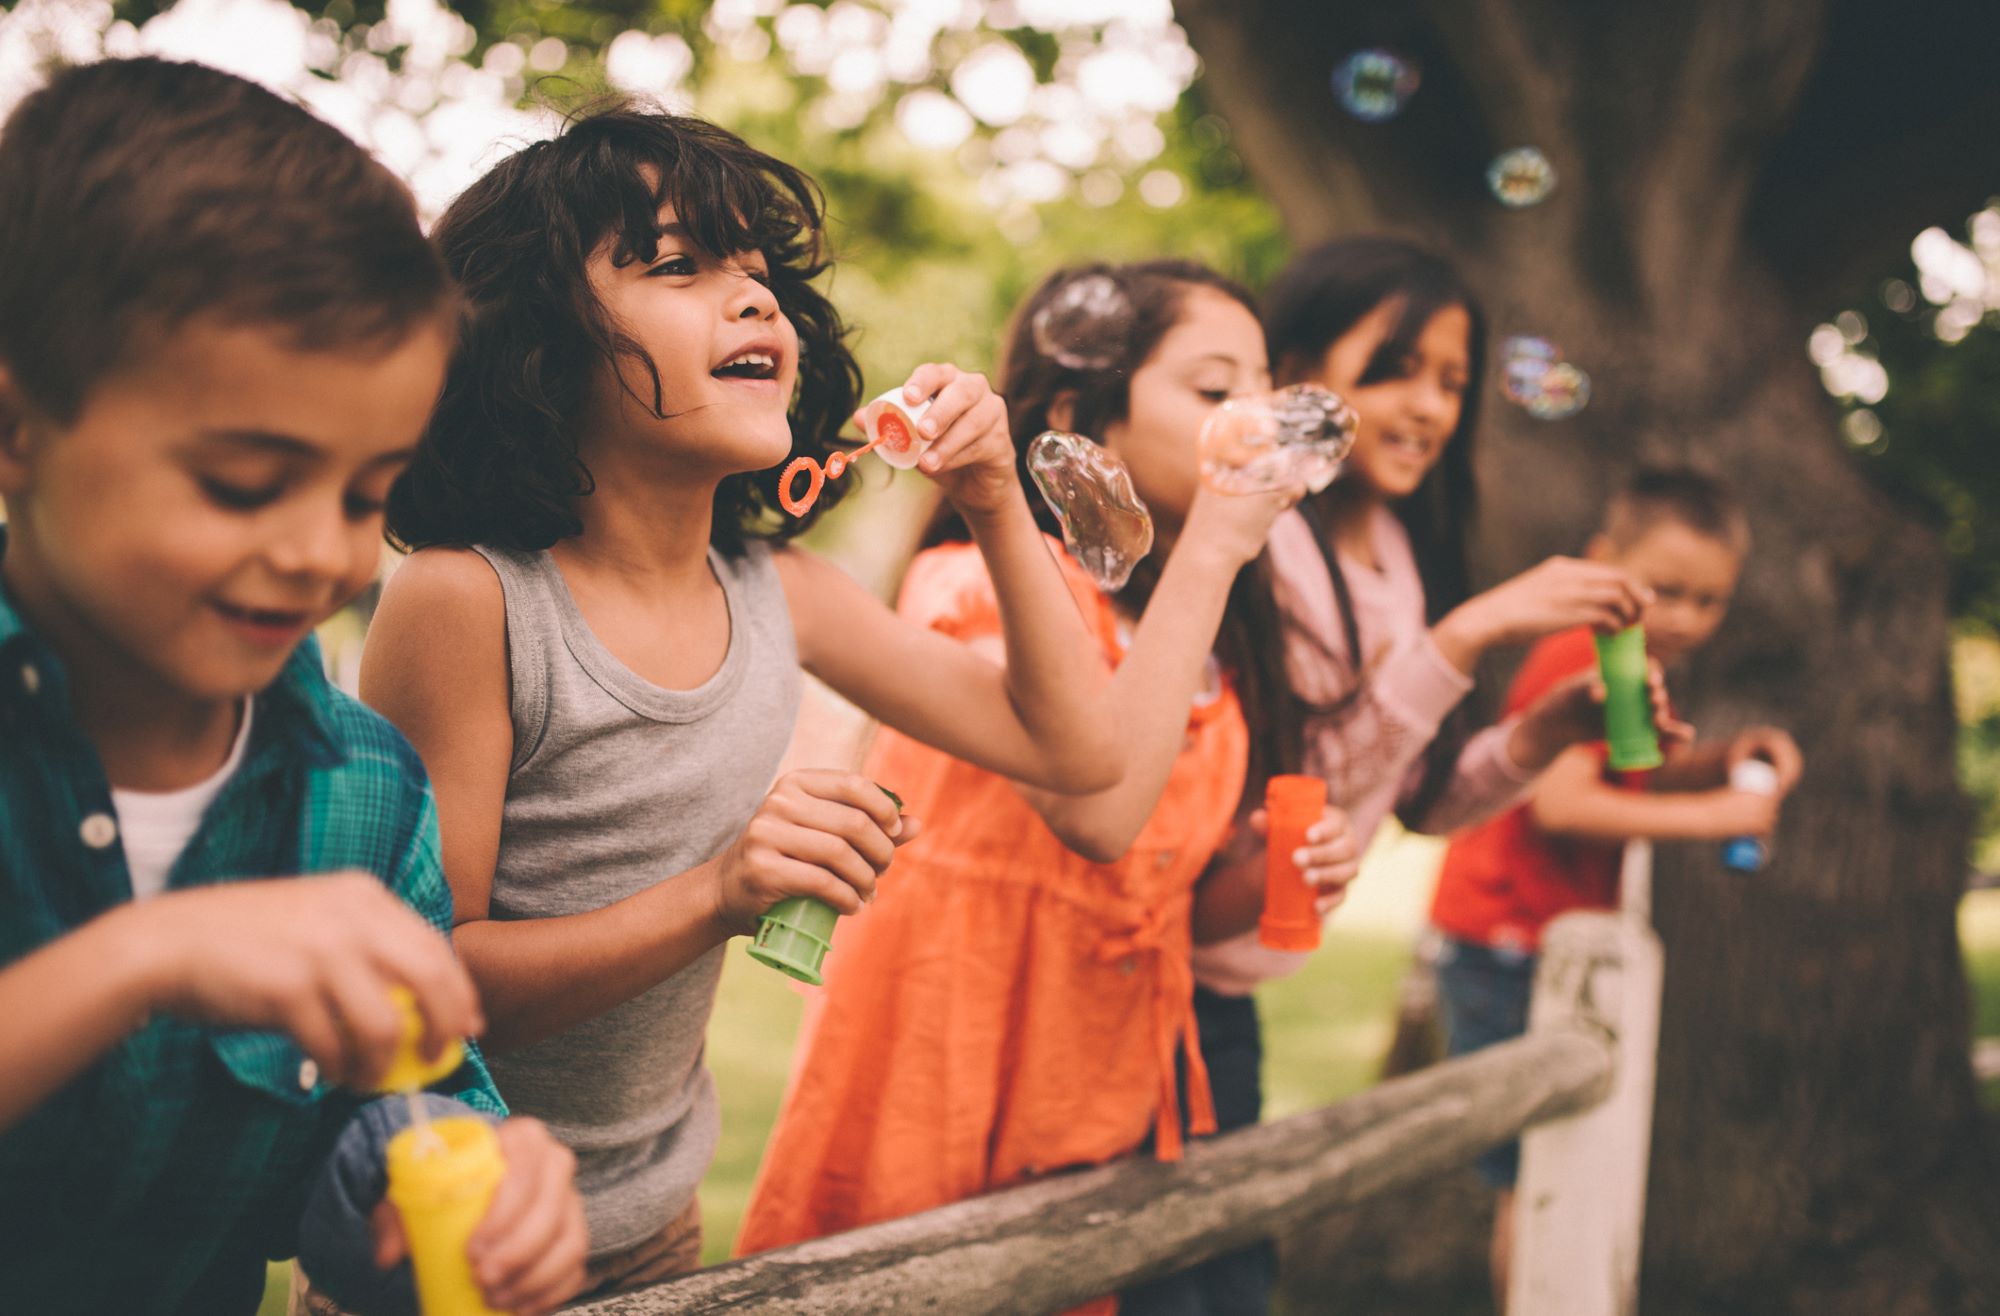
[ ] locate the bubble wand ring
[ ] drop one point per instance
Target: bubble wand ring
(889, 421)
(817, 476)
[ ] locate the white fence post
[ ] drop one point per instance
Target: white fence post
(1579, 1212)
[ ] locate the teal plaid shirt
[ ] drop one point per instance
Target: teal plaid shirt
(163, 1177)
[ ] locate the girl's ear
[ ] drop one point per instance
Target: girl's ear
(1062, 409)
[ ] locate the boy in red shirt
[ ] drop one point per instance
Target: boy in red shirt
(1683, 535)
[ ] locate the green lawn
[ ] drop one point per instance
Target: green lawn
(1325, 1030)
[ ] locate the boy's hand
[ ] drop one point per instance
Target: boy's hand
(1330, 858)
(311, 957)
(1743, 813)
(529, 1251)
(1776, 747)
(827, 835)
(971, 454)
(1572, 713)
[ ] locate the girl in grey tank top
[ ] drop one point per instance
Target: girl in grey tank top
(639, 826)
(614, 782)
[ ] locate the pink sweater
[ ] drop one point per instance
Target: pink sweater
(1371, 751)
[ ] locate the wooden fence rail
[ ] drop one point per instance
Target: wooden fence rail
(1064, 1240)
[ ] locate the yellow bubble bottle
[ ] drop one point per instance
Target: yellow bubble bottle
(441, 1178)
(442, 1174)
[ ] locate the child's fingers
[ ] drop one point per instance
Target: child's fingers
(506, 1250)
(786, 876)
(851, 788)
(928, 380)
(421, 959)
(385, 1223)
(860, 831)
(308, 1018)
(913, 827)
(555, 1276)
(836, 855)
(958, 395)
(980, 434)
(1329, 901)
(368, 1017)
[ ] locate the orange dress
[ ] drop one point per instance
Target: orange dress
(1004, 1008)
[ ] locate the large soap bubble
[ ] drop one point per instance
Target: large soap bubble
(1085, 324)
(1521, 177)
(1373, 85)
(1105, 525)
(1295, 437)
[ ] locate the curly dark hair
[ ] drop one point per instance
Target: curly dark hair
(499, 464)
(1250, 643)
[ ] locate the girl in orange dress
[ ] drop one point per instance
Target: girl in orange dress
(1018, 997)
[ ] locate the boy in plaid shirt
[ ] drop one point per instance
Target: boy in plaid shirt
(221, 332)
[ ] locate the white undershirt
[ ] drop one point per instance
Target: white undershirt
(157, 825)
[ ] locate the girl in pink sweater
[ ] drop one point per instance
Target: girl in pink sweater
(1383, 635)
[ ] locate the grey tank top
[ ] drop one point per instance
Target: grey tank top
(618, 784)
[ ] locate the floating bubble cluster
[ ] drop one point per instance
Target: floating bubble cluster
(1086, 324)
(1373, 85)
(1521, 177)
(1534, 376)
(1105, 525)
(1294, 437)
(1562, 392)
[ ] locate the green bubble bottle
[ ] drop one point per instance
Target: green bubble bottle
(1628, 705)
(794, 934)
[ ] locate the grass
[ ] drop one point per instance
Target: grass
(1326, 1027)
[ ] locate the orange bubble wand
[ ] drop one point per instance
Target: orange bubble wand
(890, 425)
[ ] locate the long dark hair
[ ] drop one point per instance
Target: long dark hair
(499, 463)
(1318, 299)
(1250, 643)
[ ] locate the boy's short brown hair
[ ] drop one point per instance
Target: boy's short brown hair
(1679, 495)
(136, 195)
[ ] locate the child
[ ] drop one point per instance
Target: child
(604, 681)
(221, 332)
(1373, 579)
(1008, 1006)
(1682, 535)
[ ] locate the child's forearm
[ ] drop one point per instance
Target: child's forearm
(65, 1005)
(1603, 813)
(1696, 768)
(538, 977)
(1230, 898)
(1150, 696)
(1056, 681)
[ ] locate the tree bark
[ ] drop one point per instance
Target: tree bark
(1725, 172)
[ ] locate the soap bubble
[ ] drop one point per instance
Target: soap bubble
(1560, 393)
(1085, 324)
(1294, 437)
(1372, 85)
(1521, 177)
(1523, 362)
(1534, 376)
(1105, 525)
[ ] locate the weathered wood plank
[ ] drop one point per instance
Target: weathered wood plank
(1580, 1212)
(1050, 1244)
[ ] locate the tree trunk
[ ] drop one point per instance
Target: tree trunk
(1818, 1144)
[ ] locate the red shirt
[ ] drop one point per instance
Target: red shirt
(1504, 879)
